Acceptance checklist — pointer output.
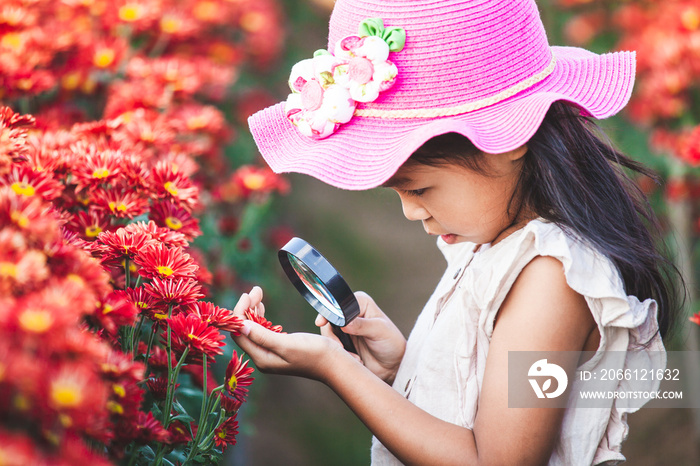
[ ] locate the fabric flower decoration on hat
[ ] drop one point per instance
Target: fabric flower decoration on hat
(327, 87)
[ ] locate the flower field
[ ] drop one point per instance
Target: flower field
(115, 123)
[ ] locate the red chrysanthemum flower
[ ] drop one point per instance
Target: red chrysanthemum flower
(25, 181)
(20, 269)
(115, 311)
(695, 318)
(258, 319)
(225, 434)
(121, 203)
(75, 391)
(98, 168)
(251, 181)
(181, 433)
(229, 404)
(13, 137)
(158, 387)
(174, 186)
(148, 429)
(145, 303)
(219, 317)
(158, 361)
(174, 292)
(90, 224)
(172, 239)
(168, 215)
(120, 244)
(157, 260)
(30, 215)
(238, 377)
(188, 331)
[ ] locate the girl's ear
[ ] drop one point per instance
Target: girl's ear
(516, 154)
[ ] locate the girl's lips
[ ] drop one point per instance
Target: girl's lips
(449, 238)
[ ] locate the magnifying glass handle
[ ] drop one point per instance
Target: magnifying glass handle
(344, 339)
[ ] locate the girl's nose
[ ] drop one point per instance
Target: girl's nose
(413, 210)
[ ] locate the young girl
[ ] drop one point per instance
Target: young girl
(464, 109)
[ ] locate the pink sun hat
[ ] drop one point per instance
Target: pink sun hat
(481, 68)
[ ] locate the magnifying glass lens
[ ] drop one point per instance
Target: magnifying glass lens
(315, 286)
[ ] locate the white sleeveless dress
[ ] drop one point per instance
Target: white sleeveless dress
(443, 368)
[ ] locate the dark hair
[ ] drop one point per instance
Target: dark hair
(573, 176)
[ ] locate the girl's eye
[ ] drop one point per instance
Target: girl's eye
(416, 192)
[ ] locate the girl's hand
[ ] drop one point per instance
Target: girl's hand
(300, 354)
(378, 341)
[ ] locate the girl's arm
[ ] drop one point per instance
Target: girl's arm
(541, 313)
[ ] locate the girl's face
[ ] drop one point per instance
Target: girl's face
(459, 204)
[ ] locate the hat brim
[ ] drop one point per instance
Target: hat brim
(367, 151)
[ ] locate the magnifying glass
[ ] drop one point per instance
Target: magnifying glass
(321, 285)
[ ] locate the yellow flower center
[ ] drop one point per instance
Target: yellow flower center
(12, 40)
(252, 21)
(165, 270)
(25, 84)
(20, 219)
(119, 390)
(233, 383)
(171, 188)
(114, 206)
(35, 320)
(8, 269)
(107, 309)
(92, 231)
(690, 18)
(173, 223)
(160, 316)
(170, 24)
(75, 278)
(23, 189)
(254, 181)
(21, 402)
(65, 420)
(66, 393)
(70, 81)
(115, 407)
(192, 337)
(206, 11)
(103, 58)
(100, 173)
(131, 12)
(222, 434)
(196, 122)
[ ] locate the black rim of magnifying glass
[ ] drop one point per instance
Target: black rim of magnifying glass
(331, 279)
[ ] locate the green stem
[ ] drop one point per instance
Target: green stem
(159, 456)
(210, 436)
(170, 395)
(150, 345)
(132, 460)
(127, 273)
(136, 337)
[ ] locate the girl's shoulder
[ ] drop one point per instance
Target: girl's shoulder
(493, 270)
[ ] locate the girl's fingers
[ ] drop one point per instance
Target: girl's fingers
(260, 309)
(320, 320)
(242, 304)
(366, 327)
(256, 295)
